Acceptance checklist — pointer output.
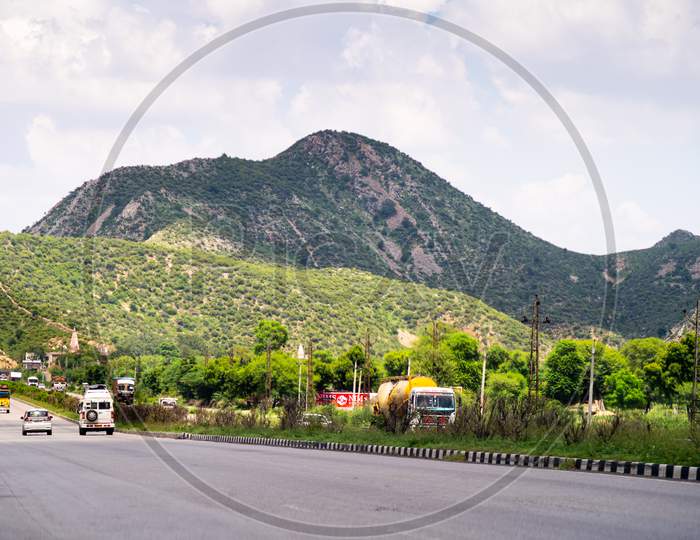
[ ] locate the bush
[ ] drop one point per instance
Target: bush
(142, 414)
(505, 385)
(625, 390)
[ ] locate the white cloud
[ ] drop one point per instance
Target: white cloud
(626, 72)
(636, 227)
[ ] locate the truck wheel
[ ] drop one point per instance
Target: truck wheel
(110, 431)
(82, 431)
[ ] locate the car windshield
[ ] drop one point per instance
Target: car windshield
(37, 414)
(434, 401)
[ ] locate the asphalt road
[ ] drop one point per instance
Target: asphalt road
(66, 486)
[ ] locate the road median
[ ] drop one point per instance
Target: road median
(625, 468)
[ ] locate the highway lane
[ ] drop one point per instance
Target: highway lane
(67, 486)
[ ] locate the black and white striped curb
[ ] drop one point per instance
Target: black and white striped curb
(629, 468)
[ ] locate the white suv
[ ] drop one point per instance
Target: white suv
(96, 411)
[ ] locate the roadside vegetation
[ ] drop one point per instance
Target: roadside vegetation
(645, 385)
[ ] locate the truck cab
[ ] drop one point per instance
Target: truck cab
(123, 389)
(431, 406)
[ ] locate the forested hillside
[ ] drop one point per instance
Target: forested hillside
(142, 295)
(343, 200)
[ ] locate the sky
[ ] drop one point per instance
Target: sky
(626, 72)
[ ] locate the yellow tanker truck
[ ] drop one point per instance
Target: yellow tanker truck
(411, 402)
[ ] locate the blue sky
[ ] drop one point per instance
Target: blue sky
(626, 72)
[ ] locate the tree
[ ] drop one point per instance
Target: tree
(642, 351)
(624, 390)
(563, 372)
(506, 385)
(518, 361)
(567, 366)
(168, 350)
(679, 359)
(396, 362)
(496, 357)
(270, 335)
(95, 374)
(324, 376)
(344, 366)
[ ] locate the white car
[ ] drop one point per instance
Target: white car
(315, 420)
(37, 420)
(41, 386)
(96, 411)
(167, 402)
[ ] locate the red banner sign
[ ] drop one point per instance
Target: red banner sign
(342, 400)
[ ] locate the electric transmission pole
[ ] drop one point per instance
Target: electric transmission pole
(694, 398)
(268, 375)
(534, 364)
(531, 363)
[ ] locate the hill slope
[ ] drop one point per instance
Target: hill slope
(114, 290)
(343, 200)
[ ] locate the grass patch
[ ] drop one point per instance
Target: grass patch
(666, 445)
(57, 403)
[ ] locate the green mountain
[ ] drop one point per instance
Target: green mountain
(143, 295)
(343, 200)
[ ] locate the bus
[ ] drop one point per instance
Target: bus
(4, 399)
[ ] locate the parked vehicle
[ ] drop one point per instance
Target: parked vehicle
(41, 386)
(123, 389)
(33, 381)
(96, 410)
(411, 402)
(58, 383)
(37, 420)
(168, 402)
(4, 399)
(314, 419)
(4, 376)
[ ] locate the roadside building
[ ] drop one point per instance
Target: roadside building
(32, 361)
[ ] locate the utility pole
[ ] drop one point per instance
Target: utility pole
(368, 362)
(531, 364)
(435, 341)
(268, 374)
(590, 382)
(300, 360)
(537, 348)
(309, 373)
(693, 407)
(483, 378)
(359, 389)
(354, 385)
(534, 364)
